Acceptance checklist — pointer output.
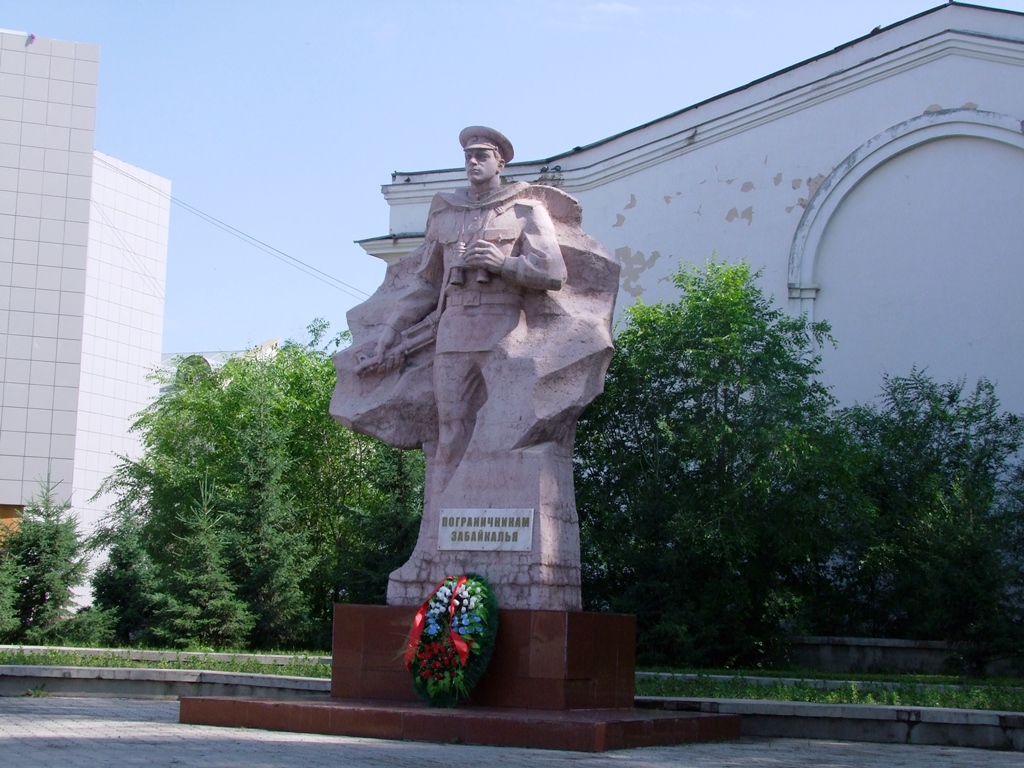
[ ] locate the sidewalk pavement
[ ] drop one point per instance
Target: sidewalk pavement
(74, 732)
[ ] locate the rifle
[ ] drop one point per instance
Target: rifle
(411, 340)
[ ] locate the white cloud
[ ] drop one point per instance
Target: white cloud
(610, 11)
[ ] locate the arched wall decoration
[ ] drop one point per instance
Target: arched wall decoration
(947, 123)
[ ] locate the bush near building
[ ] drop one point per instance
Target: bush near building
(725, 500)
(701, 468)
(299, 511)
(935, 549)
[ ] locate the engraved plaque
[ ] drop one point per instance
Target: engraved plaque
(486, 530)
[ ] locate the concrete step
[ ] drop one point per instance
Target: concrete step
(21, 680)
(775, 719)
(860, 722)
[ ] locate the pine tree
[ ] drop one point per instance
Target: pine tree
(268, 545)
(49, 553)
(9, 578)
(199, 607)
(124, 585)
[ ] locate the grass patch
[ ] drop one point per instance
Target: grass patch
(875, 677)
(892, 691)
(301, 666)
(999, 694)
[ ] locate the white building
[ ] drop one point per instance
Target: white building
(880, 186)
(83, 252)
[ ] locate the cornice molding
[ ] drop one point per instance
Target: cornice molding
(696, 129)
(388, 249)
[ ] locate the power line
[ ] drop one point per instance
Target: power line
(278, 254)
(140, 262)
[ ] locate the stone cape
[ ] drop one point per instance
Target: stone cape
(520, 454)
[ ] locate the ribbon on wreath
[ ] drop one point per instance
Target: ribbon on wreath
(417, 626)
(420, 621)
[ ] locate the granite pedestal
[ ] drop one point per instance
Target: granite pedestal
(557, 680)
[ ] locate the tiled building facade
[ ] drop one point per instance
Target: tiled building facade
(83, 247)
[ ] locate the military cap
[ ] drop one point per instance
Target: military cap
(482, 137)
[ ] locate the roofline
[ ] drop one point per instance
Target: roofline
(739, 89)
(382, 238)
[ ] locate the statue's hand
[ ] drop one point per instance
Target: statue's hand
(382, 362)
(387, 339)
(386, 363)
(485, 254)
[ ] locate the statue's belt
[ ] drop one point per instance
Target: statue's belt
(476, 298)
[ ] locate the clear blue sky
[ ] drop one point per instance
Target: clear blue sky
(283, 119)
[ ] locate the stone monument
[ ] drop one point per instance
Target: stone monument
(483, 346)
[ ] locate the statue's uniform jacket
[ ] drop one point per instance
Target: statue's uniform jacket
(482, 310)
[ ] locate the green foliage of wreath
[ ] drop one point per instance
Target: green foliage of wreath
(452, 640)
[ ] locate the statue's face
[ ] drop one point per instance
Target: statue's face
(482, 165)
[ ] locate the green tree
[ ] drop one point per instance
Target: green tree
(49, 556)
(124, 584)
(701, 472)
(380, 529)
(270, 548)
(199, 607)
(9, 579)
(292, 487)
(935, 552)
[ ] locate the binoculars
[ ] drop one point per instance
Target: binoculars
(459, 271)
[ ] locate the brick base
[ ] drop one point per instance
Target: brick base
(557, 680)
(542, 659)
(576, 730)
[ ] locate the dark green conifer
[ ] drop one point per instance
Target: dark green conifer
(48, 551)
(199, 608)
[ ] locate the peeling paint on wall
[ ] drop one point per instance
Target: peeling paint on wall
(812, 186)
(619, 218)
(634, 264)
(778, 179)
(747, 186)
(747, 214)
(933, 108)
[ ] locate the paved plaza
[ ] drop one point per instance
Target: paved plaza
(74, 732)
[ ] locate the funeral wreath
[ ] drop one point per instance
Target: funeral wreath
(452, 639)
